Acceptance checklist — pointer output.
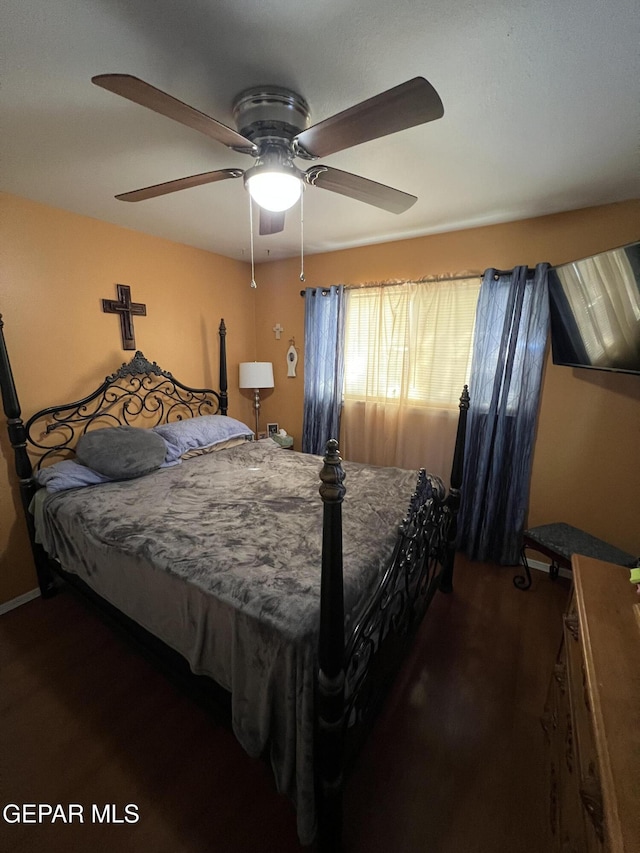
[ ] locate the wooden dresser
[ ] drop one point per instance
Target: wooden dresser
(592, 715)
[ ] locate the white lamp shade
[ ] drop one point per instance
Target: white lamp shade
(275, 191)
(256, 374)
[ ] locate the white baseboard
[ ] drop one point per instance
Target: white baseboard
(16, 602)
(544, 567)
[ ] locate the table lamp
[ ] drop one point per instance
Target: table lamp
(256, 375)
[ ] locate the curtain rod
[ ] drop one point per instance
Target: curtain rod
(497, 273)
(423, 280)
(430, 278)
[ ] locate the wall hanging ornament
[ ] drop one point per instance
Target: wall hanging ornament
(292, 358)
(126, 309)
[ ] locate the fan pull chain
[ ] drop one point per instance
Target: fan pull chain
(253, 273)
(302, 235)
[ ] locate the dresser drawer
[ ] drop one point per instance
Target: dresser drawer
(582, 739)
(564, 807)
(591, 717)
(571, 825)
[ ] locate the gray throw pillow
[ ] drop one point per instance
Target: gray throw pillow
(121, 453)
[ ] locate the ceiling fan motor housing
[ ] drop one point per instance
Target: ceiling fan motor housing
(270, 116)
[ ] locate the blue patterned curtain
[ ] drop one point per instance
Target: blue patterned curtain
(323, 366)
(508, 356)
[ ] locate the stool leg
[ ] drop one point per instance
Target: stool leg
(520, 581)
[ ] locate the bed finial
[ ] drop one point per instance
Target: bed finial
(332, 474)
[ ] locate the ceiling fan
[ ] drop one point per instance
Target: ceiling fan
(272, 126)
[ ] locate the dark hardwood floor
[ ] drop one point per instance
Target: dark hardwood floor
(455, 763)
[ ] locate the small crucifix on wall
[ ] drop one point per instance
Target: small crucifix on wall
(126, 309)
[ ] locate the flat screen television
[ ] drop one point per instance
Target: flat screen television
(594, 305)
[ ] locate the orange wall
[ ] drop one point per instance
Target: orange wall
(586, 468)
(57, 266)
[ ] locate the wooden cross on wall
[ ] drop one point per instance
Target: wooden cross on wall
(126, 309)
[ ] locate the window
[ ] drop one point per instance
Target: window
(410, 343)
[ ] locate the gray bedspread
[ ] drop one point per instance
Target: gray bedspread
(220, 557)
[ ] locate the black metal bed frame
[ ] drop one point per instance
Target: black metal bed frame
(353, 671)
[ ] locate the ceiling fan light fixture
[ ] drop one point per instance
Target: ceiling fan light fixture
(274, 190)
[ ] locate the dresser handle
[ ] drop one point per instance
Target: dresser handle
(572, 625)
(591, 797)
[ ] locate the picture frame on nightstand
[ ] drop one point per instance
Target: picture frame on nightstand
(272, 429)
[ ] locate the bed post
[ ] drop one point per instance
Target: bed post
(453, 498)
(224, 399)
(330, 693)
(18, 439)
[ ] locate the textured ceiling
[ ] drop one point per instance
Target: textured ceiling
(541, 99)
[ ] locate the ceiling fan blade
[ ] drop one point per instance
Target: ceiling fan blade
(362, 189)
(180, 184)
(270, 222)
(142, 93)
(409, 104)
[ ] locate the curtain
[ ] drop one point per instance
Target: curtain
(407, 356)
(323, 366)
(506, 374)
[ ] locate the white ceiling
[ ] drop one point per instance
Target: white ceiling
(541, 98)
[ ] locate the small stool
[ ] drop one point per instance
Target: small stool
(559, 542)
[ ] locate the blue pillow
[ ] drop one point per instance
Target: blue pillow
(68, 474)
(198, 433)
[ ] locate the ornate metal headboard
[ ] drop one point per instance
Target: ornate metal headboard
(139, 393)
